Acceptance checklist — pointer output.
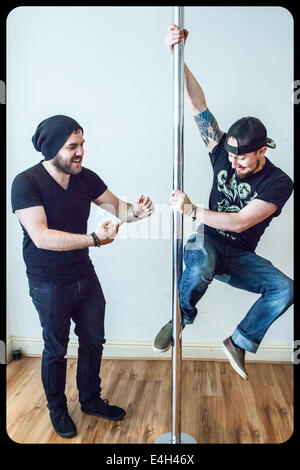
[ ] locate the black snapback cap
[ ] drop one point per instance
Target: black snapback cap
(250, 134)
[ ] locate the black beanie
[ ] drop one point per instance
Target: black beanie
(52, 133)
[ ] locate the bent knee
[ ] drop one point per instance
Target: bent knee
(200, 273)
(288, 291)
(285, 290)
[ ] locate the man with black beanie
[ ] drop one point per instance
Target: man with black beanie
(52, 202)
(247, 192)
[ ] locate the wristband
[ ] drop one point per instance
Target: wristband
(96, 239)
(194, 212)
(134, 214)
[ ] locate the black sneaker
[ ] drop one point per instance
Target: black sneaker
(99, 407)
(63, 424)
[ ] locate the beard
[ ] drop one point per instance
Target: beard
(241, 176)
(65, 167)
(246, 174)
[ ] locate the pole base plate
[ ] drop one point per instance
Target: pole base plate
(184, 439)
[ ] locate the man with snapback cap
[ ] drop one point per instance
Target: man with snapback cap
(247, 192)
(52, 202)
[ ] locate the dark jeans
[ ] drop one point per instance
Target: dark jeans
(57, 302)
(207, 258)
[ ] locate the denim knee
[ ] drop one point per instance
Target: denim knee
(55, 348)
(200, 273)
(283, 290)
(287, 291)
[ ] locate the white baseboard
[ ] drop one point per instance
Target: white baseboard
(143, 349)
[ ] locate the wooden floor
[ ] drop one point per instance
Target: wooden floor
(217, 405)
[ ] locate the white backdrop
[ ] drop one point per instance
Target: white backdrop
(108, 68)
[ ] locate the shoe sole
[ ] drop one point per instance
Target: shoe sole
(234, 364)
(118, 418)
(161, 350)
(66, 435)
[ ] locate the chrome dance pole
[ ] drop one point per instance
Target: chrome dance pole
(176, 436)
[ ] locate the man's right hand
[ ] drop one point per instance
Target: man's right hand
(175, 36)
(107, 232)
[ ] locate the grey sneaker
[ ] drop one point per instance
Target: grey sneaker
(163, 340)
(236, 356)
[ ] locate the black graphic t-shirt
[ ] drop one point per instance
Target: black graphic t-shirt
(231, 194)
(66, 210)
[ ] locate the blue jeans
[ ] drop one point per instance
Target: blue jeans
(207, 258)
(57, 302)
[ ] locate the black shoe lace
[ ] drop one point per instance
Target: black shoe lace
(105, 400)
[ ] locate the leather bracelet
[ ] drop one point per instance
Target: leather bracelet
(134, 214)
(194, 212)
(96, 239)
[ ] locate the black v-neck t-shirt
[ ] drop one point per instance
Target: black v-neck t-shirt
(231, 194)
(67, 210)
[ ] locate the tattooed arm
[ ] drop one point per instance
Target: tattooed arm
(209, 129)
(206, 122)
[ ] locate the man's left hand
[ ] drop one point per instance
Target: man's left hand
(143, 207)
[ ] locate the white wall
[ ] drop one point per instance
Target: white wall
(109, 69)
